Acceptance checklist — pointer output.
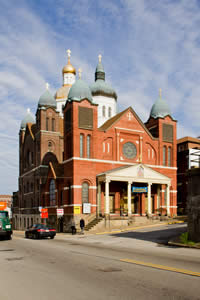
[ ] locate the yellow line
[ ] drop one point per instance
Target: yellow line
(161, 267)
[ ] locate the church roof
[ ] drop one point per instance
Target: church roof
(29, 118)
(79, 91)
(160, 109)
(62, 93)
(47, 99)
(100, 87)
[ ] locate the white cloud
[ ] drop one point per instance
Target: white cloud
(146, 45)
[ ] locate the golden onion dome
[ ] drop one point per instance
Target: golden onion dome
(68, 68)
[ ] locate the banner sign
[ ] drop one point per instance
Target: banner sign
(60, 212)
(3, 205)
(77, 210)
(139, 189)
(44, 213)
(86, 208)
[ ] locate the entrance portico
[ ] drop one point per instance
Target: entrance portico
(139, 176)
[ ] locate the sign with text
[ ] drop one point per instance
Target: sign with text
(86, 208)
(3, 205)
(44, 213)
(60, 212)
(139, 189)
(77, 210)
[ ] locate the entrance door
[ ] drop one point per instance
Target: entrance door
(112, 204)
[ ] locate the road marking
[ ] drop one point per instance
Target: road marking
(161, 267)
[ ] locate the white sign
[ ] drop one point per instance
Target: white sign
(86, 208)
(60, 211)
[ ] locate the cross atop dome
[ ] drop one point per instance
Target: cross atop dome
(47, 86)
(80, 73)
(100, 57)
(160, 93)
(68, 53)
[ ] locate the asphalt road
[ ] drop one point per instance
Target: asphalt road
(128, 265)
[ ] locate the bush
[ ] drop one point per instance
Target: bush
(184, 239)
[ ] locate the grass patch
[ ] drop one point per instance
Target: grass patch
(184, 239)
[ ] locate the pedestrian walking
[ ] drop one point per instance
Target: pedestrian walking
(82, 225)
(73, 227)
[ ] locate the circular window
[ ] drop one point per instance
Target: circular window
(129, 150)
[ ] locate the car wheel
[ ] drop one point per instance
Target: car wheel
(9, 237)
(51, 237)
(35, 236)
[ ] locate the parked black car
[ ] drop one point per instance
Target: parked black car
(38, 231)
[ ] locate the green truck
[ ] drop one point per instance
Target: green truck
(5, 225)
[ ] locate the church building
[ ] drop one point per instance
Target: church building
(83, 158)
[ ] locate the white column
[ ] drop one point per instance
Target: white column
(149, 199)
(107, 202)
(168, 201)
(158, 196)
(129, 197)
(99, 199)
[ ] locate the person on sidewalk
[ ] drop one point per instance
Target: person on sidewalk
(82, 225)
(73, 227)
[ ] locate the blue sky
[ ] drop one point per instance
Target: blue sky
(145, 45)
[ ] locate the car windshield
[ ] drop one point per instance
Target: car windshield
(3, 214)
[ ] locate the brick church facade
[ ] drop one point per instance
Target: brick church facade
(84, 157)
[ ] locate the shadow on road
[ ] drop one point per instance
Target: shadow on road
(159, 236)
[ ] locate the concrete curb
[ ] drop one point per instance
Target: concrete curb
(171, 243)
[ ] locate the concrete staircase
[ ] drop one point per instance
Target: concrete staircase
(92, 224)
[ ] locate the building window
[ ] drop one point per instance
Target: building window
(47, 124)
(52, 193)
(164, 156)
(50, 147)
(85, 192)
(169, 156)
(27, 187)
(104, 111)
(53, 124)
(109, 112)
(88, 145)
(81, 144)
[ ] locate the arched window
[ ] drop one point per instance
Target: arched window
(52, 193)
(81, 144)
(104, 111)
(169, 156)
(88, 145)
(109, 112)
(164, 156)
(53, 124)
(47, 124)
(85, 192)
(50, 146)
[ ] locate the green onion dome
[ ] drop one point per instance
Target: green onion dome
(47, 99)
(100, 87)
(79, 91)
(29, 118)
(160, 109)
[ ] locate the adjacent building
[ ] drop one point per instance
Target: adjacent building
(81, 156)
(188, 157)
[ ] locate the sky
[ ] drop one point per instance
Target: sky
(145, 45)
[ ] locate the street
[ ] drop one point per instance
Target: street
(126, 265)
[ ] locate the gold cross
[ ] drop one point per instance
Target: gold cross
(68, 53)
(160, 93)
(79, 72)
(100, 57)
(47, 86)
